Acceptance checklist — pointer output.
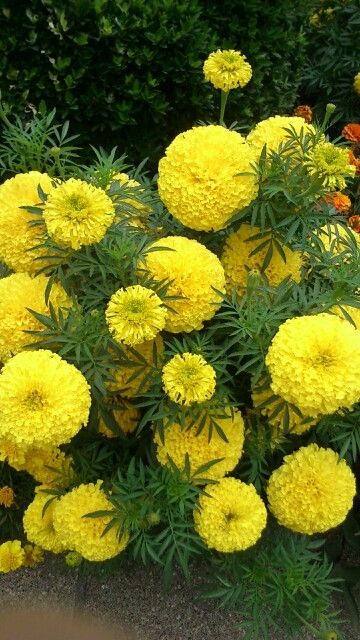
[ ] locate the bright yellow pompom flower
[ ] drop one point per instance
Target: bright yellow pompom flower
(44, 401)
(314, 362)
(38, 523)
(274, 131)
(336, 238)
(227, 69)
(131, 379)
(330, 164)
(77, 214)
(11, 556)
(188, 378)
(199, 177)
(180, 441)
(231, 516)
(17, 236)
(18, 293)
(312, 491)
(193, 272)
(135, 314)
(237, 261)
(84, 534)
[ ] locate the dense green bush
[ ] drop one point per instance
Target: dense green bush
(116, 68)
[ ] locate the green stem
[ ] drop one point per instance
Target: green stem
(223, 101)
(306, 623)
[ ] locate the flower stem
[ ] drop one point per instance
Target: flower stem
(223, 101)
(306, 624)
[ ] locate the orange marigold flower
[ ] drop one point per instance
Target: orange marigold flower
(354, 160)
(303, 111)
(354, 223)
(339, 200)
(7, 496)
(351, 132)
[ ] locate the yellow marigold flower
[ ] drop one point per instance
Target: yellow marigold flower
(304, 111)
(227, 69)
(18, 293)
(297, 425)
(353, 312)
(78, 214)
(17, 235)
(7, 496)
(11, 453)
(237, 261)
(357, 83)
(193, 272)
(47, 466)
(11, 556)
(188, 378)
(33, 555)
(84, 534)
(123, 382)
(44, 401)
(135, 314)
(312, 491)
(39, 526)
(337, 238)
(330, 164)
(199, 177)
(273, 132)
(231, 516)
(126, 415)
(314, 362)
(180, 441)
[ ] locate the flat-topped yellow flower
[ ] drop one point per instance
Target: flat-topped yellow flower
(77, 214)
(44, 400)
(230, 516)
(188, 378)
(18, 236)
(135, 314)
(330, 164)
(274, 131)
(11, 556)
(38, 523)
(312, 491)
(227, 69)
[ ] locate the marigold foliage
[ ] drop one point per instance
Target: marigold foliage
(231, 516)
(84, 534)
(314, 362)
(227, 69)
(7, 496)
(357, 83)
(77, 214)
(238, 261)
(130, 379)
(297, 424)
(11, 556)
(179, 442)
(199, 177)
(336, 238)
(126, 415)
(188, 378)
(274, 131)
(193, 272)
(44, 401)
(312, 491)
(18, 236)
(39, 524)
(20, 292)
(330, 164)
(135, 314)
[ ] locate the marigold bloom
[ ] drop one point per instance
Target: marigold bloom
(18, 236)
(11, 556)
(330, 164)
(49, 465)
(199, 177)
(193, 272)
(180, 441)
(227, 69)
(188, 378)
(314, 362)
(18, 293)
(297, 424)
(33, 555)
(44, 401)
(304, 111)
(129, 183)
(312, 491)
(231, 516)
(39, 525)
(351, 132)
(85, 534)
(126, 415)
(135, 314)
(354, 161)
(356, 84)
(353, 312)
(340, 201)
(78, 214)
(336, 238)
(275, 131)
(354, 223)
(125, 382)
(7, 496)
(237, 261)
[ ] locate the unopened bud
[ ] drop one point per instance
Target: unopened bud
(330, 108)
(73, 559)
(330, 635)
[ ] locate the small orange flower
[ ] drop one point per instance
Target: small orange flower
(354, 160)
(351, 132)
(354, 223)
(7, 496)
(304, 111)
(339, 200)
